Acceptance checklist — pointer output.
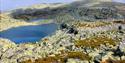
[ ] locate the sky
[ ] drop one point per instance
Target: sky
(123, 1)
(6, 5)
(11, 4)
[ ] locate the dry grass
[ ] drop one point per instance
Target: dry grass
(112, 61)
(93, 24)
(95, 42)
(60, 58)
(121, 22)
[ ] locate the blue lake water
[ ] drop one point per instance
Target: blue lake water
(25, 34)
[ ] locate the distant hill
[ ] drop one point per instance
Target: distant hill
(83, 9)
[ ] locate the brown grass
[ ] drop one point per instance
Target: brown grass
(93, 24)
(113, 61)
(120, 22)
(60, 58)
(95, 42)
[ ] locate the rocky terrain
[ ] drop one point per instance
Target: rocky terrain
(92, 34)
(97, 42)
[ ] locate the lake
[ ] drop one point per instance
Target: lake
(30, 33)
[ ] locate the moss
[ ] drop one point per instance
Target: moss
(95, 41)
(61, 58)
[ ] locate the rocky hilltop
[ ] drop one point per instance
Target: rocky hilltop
(87, 34)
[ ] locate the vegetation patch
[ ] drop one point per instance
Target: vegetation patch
(93, 24)
(113, 61)
(95, 42)
(61, 58)
(120, 21)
